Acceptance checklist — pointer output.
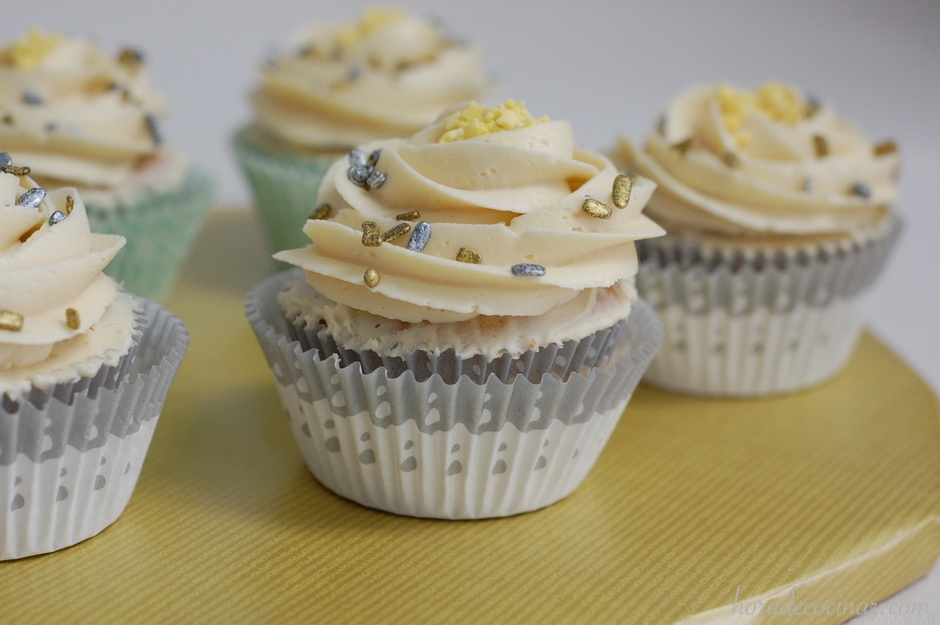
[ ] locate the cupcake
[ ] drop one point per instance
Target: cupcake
(779, 216)
(85, 119)
(465, 333)
(336, 86)
(84, 369)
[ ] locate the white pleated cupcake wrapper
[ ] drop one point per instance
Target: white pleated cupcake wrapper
(70, 457)
(457, 449)
(753, 324)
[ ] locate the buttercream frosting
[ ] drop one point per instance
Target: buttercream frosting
(338, 85)
(84, 118)
(509, 235)
(60, 317)
(763, 163)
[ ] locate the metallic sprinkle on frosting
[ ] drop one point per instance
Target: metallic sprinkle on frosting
(861, 190)
(371, 278)
(420, 236)
(72, 320)
(398, 230)
(371, 235)
(620, 194)
(821, 146)
(409, 216)
(528, 269)
(69, 205)
(16, 171)
(56, 217)
(466, 255)
(5, 159)
(730, 159)
(32, 198)
(11, 321)
(885, 147)
(323, 211)
(152, 128)
(32, 98)
(683, 146)
(596, 209)
(376, 179)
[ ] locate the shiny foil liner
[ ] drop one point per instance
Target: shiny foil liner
(742, 322)
(70, 456)
(437, 436)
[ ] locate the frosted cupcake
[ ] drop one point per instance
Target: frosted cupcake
(86, 119)
(84, 368)
(336, 86)
(780, 217)
(466, 333)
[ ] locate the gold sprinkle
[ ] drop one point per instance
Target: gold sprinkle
(322, 211)
(72, 320)
(466, 255)
(821, 146)
(371, 277)
(409, 216)
(7, 119)
(596, 209)
(130, 56)
(730, 159)
(69, 205)
(683, 146)
(371, 236)
(11, 321)
(16, 171)
(885, 147)
(399, 230)
(620, 194)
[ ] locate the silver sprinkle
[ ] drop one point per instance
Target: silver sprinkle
(357, 157)
(31, 97)
(32, 198)
(376, 179)
(56, 217)
(152, 128)
(808, 184)
(419, 236)
(374, 158)
(528, 269)
(5, 159)
(354, 72)
(861, 190)
(52, 127)
(358, 175)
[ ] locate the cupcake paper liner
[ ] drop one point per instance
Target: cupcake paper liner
(70, 457)
(284, 186)
(453, 444)
(160, 229)
(752, 323)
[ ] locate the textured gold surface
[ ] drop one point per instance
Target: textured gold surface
(835, 492)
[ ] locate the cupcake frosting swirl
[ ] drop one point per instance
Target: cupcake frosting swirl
(390, 74)
(502, 198)
(763, 163)
(60, 317)
(78, 116)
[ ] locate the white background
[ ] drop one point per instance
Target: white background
(606, 66)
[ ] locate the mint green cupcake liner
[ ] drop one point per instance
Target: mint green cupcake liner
(160, 229)
(284, 185)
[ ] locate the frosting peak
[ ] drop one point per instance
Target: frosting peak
(763, 163)
(474, 120)
(387, 75)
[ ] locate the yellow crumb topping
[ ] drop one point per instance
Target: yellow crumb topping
(475, 119)
(29, 51)
(773, 100)
(371, 21)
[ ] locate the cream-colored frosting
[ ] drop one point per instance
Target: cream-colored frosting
(80, 117)
(511, 196)
(45, 269)
(737, 162)
(336, 86)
